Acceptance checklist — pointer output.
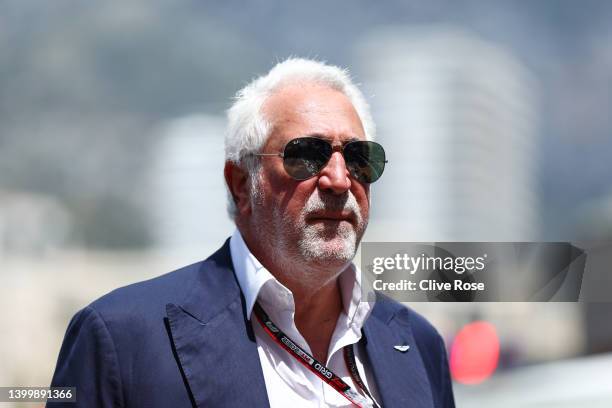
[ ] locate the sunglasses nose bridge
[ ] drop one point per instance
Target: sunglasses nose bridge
(337, 153)
(335, 175)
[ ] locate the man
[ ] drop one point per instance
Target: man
(275, 317)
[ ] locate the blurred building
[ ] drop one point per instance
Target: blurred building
(188, 194)
(32, 223)
(458, 118)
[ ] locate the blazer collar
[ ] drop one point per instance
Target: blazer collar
(401, 378)
(210, 328)
(213, 341)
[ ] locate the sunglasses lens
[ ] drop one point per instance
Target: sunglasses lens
(305, 157)
(365, 160)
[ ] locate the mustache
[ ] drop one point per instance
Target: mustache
(318, 202)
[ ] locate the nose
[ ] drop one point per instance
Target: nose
(335, 176)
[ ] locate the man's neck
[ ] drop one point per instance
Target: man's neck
(316, 315)
(316, 296)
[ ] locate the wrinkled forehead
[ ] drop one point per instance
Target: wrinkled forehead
(306, 109)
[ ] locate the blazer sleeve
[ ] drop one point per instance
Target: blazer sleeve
(88, 361)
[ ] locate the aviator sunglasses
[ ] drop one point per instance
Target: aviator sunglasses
(305, 157)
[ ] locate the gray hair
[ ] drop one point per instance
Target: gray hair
(248, 129)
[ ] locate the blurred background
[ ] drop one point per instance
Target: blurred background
(495, 115)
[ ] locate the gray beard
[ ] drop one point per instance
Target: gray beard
(317, 244)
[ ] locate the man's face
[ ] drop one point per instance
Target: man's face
(319, 221)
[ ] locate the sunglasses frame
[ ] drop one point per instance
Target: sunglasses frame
(337, 148)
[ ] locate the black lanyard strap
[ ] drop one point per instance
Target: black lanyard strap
(349, 358)
(319, 369)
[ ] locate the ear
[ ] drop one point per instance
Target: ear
(237, 182)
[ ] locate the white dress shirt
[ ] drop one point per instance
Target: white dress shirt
(288, 382)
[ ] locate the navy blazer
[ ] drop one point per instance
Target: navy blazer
(183, 339)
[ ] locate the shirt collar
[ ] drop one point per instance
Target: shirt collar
(252, 277)
(250, 273)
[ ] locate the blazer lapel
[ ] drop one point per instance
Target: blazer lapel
(214, 343)
(401, 377)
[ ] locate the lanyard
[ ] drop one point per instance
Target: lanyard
(315, 366)
(349, 358)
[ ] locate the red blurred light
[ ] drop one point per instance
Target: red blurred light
(475, 353)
